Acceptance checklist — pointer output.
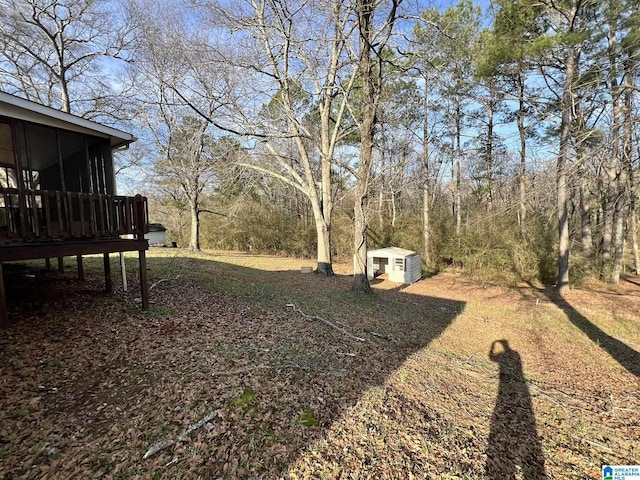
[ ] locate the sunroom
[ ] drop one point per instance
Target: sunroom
(57, 190)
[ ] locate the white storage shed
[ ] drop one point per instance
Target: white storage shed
(400, 265)
(157, 234)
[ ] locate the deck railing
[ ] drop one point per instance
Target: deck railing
(44, 215)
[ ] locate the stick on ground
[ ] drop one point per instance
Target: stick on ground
(182, 437)
(327, 322)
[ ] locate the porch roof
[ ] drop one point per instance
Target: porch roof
(19, 108)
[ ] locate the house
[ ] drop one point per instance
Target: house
(57, 191)
(400, 265)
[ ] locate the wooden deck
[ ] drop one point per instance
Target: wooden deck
(42, 215)
(48, 224)
(32, 251)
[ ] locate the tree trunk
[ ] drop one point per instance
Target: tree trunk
(360, 278)
(626, 175)
(64, 96)
(634, 238)
(523, 157)
(61, 76)
(563, 158)
(614, 167)
(426, 180)
(586, 237)
(613, 170)
(456, 174)
(381, 206)
(324, 265)
(633, 219)
(194, 242)
(489, 147)
(394, 211)
(630, 83)
(365, 9)
(607, 222)
(323, 221)
(618, 236)
(426, 233)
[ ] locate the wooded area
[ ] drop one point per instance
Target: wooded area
(501, 139)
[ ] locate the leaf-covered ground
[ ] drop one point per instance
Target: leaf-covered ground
(454, 379)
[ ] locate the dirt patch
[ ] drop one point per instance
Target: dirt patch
(453, 379)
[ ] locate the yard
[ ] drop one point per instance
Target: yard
(299, 378)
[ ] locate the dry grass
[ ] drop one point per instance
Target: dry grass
(90, 381)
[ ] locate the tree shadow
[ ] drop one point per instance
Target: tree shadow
(620, 351)
(217, 336)
(514, 445)
(627, 278)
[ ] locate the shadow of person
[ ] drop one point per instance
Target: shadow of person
(514, 446)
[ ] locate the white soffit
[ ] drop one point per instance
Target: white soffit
(19, 108)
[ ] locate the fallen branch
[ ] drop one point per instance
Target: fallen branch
(175, 460)
(182, 437)
(242, 370)
(163, 280)
(467, 361)
(384, 337)
(595, 444)
(327, 322)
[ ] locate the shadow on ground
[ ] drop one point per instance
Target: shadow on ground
(89, 381)
(514, 445)
(619, 351)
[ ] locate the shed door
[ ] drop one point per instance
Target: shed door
(382, 264)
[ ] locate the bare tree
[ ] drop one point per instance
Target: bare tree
(372, 40)
(189, 166)
(291, 83)
(55, 53)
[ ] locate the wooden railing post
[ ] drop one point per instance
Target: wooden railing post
(3, 300)
(139, 217)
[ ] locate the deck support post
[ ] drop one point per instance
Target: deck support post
(3, 300)
(47, 263)
(108, 282)
(144, 285)
(123, 271)
(80, 268)
(61, 264)
(141, 222)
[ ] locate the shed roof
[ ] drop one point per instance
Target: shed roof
(20, 108)
(157, 227)
(391, 252)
